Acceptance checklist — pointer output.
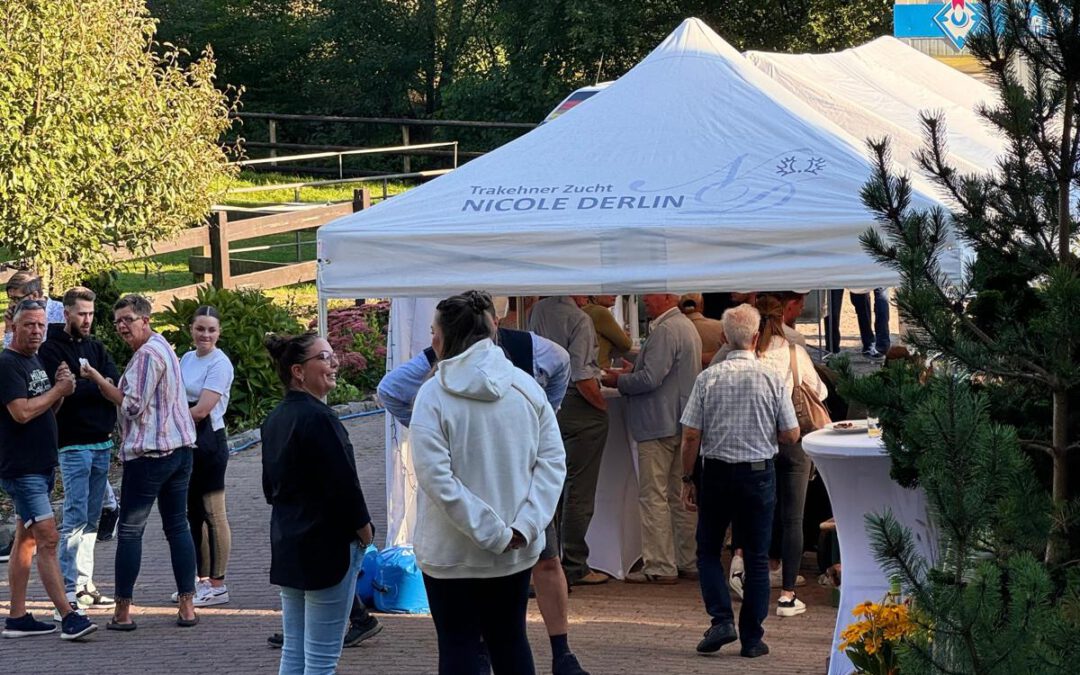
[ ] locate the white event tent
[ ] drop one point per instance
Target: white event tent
(693, 172)
(880, 89)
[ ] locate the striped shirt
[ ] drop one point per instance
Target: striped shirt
(154, 416)
(739, 405)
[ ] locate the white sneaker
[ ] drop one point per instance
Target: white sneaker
(735, 581)
(74, 607)
(792, 607)
(210, 596)
(776, 578)
(199, 586)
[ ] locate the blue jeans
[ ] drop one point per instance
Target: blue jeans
(878, 335)
(146, 479)
(743, 496)
(313, 623)
(85, 473)
(30, 496)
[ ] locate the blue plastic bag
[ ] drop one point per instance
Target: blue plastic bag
(399, 585)
(368, 569)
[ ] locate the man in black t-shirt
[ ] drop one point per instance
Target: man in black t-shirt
(28, 459)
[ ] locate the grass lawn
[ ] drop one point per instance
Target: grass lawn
(324, 194)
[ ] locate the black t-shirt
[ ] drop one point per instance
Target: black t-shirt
(25, 448)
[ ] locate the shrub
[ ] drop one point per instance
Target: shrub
(246, 317)
(358, 336)
(343, 393)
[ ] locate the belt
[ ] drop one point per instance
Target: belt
(759, 465)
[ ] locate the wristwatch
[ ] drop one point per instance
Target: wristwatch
(688, 478)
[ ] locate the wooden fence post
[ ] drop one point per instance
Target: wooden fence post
(361, 199)
(407, 161)
(272, 129)
(219, 250)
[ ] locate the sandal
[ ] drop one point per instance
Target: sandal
(122, 627)
(186, 623)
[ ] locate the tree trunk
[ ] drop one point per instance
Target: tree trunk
(1065, 177)
(1060, 488)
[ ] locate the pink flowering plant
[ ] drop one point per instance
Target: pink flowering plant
(358, 337)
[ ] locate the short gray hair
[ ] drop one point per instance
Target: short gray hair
(138, 304)
(741, 323)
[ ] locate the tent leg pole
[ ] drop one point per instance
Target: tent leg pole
(322, 316)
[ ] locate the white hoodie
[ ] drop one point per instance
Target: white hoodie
(488, 458)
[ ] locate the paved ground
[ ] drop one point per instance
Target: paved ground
(616, 628)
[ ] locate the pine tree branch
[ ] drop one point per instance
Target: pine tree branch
(1030, 444)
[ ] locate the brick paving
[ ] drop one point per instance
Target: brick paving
(616, 628)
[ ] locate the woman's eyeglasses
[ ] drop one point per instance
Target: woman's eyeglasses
(126, 320)
(324, 355)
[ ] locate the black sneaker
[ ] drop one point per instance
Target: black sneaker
(361, 630)
(755, 650)
(26, 626)
(716, 637)
(107, 524)
(76, 626)
(567, 664)
(276, 640)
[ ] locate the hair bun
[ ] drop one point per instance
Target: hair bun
(275, 344)
(479, 301)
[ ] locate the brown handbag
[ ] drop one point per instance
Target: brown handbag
(810, 411)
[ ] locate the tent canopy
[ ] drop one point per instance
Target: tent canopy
(693, 172)
(881, 88)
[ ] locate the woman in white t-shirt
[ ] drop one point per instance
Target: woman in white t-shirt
(208, 377)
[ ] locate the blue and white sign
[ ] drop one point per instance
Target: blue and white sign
(957, 19)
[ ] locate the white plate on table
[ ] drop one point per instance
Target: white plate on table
(847, 427)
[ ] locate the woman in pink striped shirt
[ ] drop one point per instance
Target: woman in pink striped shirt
(156, 437)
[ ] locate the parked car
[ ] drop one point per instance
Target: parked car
(576, 98)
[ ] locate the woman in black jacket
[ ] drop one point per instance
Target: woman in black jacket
(319, 525)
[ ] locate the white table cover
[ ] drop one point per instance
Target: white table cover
(855, 469)
(614, 535)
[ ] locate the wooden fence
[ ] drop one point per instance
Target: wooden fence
(214, 238)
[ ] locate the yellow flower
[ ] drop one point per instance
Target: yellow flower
(864, 609)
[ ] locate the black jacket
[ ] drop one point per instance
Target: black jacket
(86, 416)
(309, 478)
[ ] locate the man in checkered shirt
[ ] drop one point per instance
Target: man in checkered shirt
(737, 414)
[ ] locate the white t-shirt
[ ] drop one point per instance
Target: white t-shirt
(214, 372)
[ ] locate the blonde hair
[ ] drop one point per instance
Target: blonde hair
(772, 321)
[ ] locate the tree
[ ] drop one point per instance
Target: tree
(108, 140)
(990, 439)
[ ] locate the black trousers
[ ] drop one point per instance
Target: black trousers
(466, 610)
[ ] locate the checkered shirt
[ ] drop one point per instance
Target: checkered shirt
(739, 406)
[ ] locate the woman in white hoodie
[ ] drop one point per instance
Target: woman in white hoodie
(490, 464)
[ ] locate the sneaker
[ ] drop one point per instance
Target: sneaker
(276, 640)
(26, 626)
(872, 353)
(755, 650)
(107, 524)
(208, 596)
(776, 578)
(94, 600)
(75, 609)
(716, 637)
(199, 586)
(735, 584)
(76, 626)
(792, 607)
(361, 630)
(567, 664)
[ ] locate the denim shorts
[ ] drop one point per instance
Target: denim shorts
(30, 494)
(551, 544)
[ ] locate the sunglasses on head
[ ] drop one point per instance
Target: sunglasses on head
(30, 304)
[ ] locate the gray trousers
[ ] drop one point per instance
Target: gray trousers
(792, 478)
(584, 433)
